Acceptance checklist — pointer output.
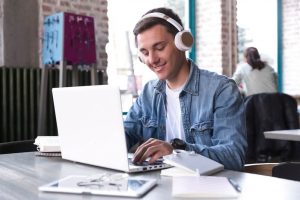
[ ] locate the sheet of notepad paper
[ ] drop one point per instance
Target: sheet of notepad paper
(203, 187)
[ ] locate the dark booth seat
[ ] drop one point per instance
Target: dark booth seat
(268, 112)
(287, 170)
(17, 146)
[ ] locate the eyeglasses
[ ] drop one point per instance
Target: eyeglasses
(105, 179)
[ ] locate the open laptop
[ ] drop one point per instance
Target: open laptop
(90, 127)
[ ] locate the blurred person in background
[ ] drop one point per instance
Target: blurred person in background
(255, 76)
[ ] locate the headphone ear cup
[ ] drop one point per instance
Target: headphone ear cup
(184, 40)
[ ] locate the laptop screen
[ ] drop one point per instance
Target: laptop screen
(90, 125)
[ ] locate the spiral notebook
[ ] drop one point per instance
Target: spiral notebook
(191, 162)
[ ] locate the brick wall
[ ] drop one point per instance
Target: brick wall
(94, 8)
(229, 37)
(291, 47)
(216, 35)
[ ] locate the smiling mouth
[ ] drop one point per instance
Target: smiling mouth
(158, 68)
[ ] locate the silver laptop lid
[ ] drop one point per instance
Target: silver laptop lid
(90, 125)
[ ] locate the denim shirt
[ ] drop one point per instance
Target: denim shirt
(212, 112)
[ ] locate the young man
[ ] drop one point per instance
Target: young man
(186, 108)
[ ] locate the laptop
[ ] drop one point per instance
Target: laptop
(90, 128)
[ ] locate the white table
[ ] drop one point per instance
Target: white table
(283, 134)
(22, 173)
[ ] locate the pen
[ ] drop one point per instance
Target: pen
(235, 185)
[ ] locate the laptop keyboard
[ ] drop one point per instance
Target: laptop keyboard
(146, 163)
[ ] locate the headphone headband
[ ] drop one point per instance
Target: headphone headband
(165, 17)
(183, 39)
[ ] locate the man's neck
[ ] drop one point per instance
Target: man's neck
(181, 77)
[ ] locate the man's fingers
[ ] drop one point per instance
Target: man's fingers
(142, 149)
(150, 152)
(152, 148)
(155, 157)
(163, 149)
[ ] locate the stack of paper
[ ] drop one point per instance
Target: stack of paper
(48, 145)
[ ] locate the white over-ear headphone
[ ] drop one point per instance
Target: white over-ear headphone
(183, 39)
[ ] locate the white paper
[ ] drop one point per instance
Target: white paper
(177, 171)
(47, 143)
(203, 187)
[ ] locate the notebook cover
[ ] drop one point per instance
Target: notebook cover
(193, 162)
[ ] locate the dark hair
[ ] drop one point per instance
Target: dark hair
(147, 23)
(253, 58)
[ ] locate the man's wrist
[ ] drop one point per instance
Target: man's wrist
(178, 144)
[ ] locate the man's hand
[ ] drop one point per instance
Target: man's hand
(152, 148)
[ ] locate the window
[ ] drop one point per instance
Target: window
(257, 26)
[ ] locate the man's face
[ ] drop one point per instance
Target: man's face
(158, 51)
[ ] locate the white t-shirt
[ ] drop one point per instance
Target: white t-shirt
(174, 127)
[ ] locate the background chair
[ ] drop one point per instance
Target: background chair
(260, 168)
(267, 112)
(286, 170)
(17, 146)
